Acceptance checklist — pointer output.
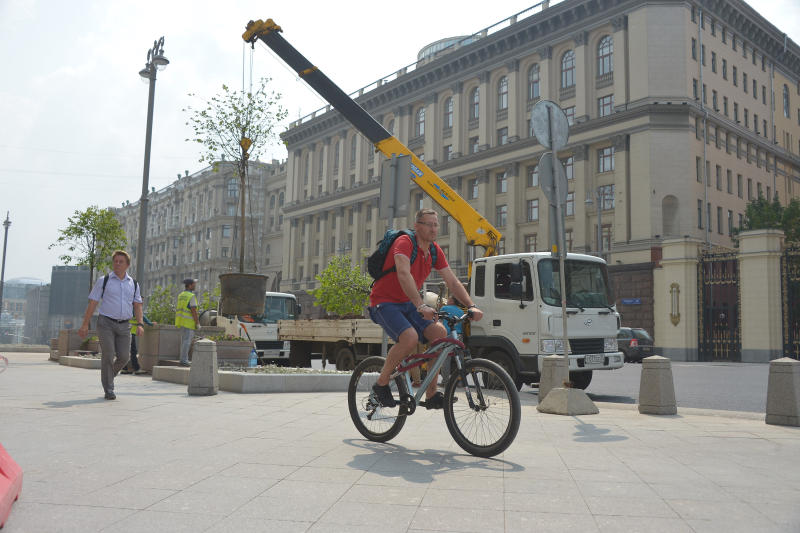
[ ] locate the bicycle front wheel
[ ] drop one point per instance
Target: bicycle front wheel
(376, 423)
(489, 426)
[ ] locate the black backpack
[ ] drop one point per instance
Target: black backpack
(376, 261)
(105, 282)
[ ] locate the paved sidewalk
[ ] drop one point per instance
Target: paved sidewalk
(157, 459)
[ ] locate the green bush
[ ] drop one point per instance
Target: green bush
(162, 303)
(343, 290)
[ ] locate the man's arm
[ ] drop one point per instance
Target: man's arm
(193, 309)
(87, 317)
(458, 290)
(137, 312)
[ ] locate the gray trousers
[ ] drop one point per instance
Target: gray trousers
(115, 343)
(186, 342)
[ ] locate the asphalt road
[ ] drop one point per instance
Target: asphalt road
(723, 386)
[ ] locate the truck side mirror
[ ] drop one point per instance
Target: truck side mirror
(299, 311)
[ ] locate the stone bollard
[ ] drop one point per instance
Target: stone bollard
(555, 371)
(203, 375)
(656, 389)
(783, 392)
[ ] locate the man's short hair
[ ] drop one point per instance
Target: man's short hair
(122, 253)
(423, 212)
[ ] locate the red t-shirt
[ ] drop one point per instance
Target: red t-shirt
(388, 289)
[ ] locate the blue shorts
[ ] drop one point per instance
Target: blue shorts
(396, 318)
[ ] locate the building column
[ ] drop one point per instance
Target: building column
(515, 103)
(760, 295)
(548, 81)
(306, 237)
(459, 121)
(582, 92)
(484, 132)
(583, 189)
(675, 294)
(433, 144)
(621, 227)
(514, 197)
(620, 26)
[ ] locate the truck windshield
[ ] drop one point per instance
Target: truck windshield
(275, 308)
(586, 283)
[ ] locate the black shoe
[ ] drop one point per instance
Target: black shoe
(436, 401)
(183, 364)
(111, 396)
(384, 395)
(126, 371)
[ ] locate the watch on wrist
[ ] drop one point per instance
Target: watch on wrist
(473, 306)
(139, 324)
(419, 308)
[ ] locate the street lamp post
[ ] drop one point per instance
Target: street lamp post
(155, 62)
(6, 224)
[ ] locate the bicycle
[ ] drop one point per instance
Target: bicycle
(481, 403)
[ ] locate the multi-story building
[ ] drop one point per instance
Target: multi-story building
(68, 297)
(660, 97)
(193, 226)
(36, 315)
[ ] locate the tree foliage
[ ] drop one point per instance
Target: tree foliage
(162, 303)
(209, 300)
(91, 236)
(230, 116)
(343, 290)
(764, 214)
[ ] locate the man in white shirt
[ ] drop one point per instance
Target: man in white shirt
(120, 298)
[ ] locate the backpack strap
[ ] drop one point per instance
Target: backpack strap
(105, 282)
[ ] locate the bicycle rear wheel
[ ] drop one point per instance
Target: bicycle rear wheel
(376, 423)
(491, 426)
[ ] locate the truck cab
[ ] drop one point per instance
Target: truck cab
(521, 298)
(263, 329)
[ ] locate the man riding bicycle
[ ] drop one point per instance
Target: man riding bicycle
(396, 304)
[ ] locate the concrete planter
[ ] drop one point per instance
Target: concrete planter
(233, 352)
(158, 343)
(68, 340)
(79, 362)
(254, 383)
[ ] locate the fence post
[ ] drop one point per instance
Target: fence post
(760, 289)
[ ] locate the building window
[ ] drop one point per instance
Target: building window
(448, 152)
(390, 128)
(419, 122)
(744, 82)
(570, 204)
(714, 103)
(568, 238)
(501, 183)
(570, 113)
(605, 56)
(226, 231)
(605, 159)
(724, 69)
(475, 103)
(725, 105)
(739, 187)
(694, 89)
(502, 93)
(607, 197)
(353, 145)
(336, 150)
(730, 222)
(708, 217)
(473, 145)
(729, 181)
(568, 69)
(448, 113)
(569, 167)
(699, 169)
(533, 176)
(233, 188)
(735, 77)
(700, 214)
(713, 62)
(530, 242)
(719, 220)
(755, 90)
(444, 225)
(694, 48)
(749, 189)
(224, 253)
(502, 136)
(472, 188)
(719, 177)
(786, 112)
(736, 112)
(746, 118)
(605, 105)
(533, 82)
(501, 215)
(230, 210)
(533, 210)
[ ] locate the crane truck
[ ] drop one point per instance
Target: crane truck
(519, 293)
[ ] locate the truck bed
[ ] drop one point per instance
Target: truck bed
(353, 331)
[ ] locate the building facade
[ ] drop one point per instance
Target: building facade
(680, 113)
(193, 226)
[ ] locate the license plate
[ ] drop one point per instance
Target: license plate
(596, 359)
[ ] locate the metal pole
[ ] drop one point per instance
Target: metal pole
(6, 224)
(562, 254)
(155, 59)
(140, 248)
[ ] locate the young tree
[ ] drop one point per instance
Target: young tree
(91, 236)
(236, 126)
(763, 214)
(343, 290)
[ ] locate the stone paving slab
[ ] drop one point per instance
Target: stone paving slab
(157, 459)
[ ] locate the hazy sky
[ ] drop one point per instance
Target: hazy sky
(73, 107)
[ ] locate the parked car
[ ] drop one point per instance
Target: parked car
(635, 343)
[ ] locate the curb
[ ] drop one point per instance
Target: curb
(250, 383)
(79, 362)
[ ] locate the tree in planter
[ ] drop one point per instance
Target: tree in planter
(237, 126)
(343, 290)
(91, 236)
(763, 214)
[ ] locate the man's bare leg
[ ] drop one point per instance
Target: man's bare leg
(405, 344)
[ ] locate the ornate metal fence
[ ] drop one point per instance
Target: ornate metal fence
(790, 294)
(718, 306)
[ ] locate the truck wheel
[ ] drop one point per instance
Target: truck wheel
(345, 359)
(581, 380)
(299, 355)
(501, 358)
